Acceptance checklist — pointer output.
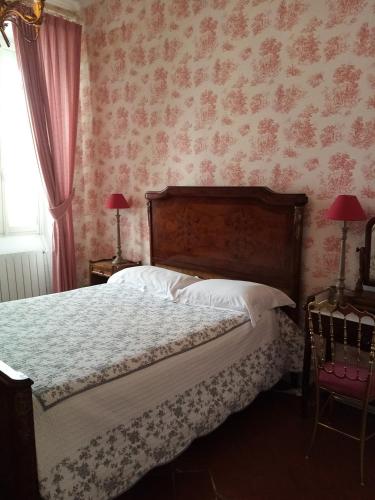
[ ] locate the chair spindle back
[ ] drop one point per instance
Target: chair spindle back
(331, 328)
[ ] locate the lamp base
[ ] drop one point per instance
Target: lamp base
(340, 298)
(118, 260)
(336, 295)
(332, 294)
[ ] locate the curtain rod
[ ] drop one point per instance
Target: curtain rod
(54, 10)
(64, 13)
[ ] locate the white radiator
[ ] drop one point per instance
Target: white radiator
(24, 275)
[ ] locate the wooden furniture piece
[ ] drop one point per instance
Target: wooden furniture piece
(367, 258)
(359, 301)
(101, 270)
(365, 298)
(343, 357)
(245, 233)
(248, 233)
(18, 466)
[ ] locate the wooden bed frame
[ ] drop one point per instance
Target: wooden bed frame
(247, 233)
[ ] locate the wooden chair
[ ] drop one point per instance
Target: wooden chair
(345, 373)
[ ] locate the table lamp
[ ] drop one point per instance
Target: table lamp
(345, 208)
(117, 201)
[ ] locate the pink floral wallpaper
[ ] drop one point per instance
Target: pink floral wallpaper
(278, 93)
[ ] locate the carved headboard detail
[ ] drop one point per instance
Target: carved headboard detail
(246, 233)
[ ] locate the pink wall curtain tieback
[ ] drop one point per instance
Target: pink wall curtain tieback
(59, 211)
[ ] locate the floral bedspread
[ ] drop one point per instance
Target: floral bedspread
(70, 342)
(114, 460)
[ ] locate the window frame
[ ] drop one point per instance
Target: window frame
(5, 228)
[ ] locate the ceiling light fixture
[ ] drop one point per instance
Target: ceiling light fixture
(20, 13)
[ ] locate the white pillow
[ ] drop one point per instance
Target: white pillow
(158, 280)
(245, 296)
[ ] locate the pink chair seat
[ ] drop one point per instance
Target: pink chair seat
(347, 385)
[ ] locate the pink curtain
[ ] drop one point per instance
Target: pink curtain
(51, 72)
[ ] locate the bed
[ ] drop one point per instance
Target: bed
(96, 437)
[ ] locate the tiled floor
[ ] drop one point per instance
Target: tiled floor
(258, 454)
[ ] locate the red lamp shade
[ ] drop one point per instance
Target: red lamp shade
(116, 200)
(346, 207)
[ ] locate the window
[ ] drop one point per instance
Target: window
(21, 192)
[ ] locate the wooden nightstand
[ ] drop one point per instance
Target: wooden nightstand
(364, 299)
(101, 270)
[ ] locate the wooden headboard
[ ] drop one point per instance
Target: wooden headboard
(246, 233)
